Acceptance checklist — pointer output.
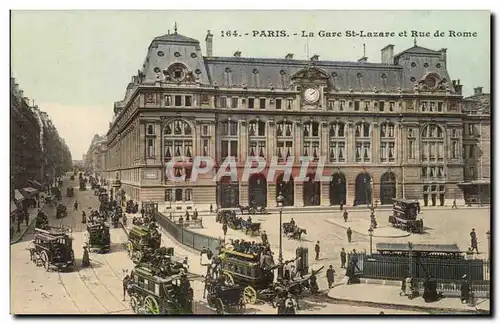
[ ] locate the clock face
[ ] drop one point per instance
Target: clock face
(311, 95)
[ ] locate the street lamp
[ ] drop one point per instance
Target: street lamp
(489, 246)
(279, 200)
(371, 193)
(370, 233)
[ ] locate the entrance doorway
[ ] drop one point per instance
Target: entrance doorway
(228, 193)
(433, 198)
(338, 189)
(387, 188)
(286, 188)
(257, 191)
(312, 191)
(363, 189)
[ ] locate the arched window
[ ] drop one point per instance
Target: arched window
(387, 142)
(432, 143)
(177, 139)
(337, 142)
(363, 142)
(257, 138)
(311, 140)
(284, 140)
(229, 140)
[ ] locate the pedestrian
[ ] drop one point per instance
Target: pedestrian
(330, 276)
(211, 208)
(185, 264)
(125, 285)
(349, 234)
(84, 217)
(316, 249)
(473, 241)
(343, 258)
(341, 206)
(187, 216)
(454, 206)
(224, 229)
(264, 238)
(181, 221)
(195, 214)
(346, 215)
(27, 219)
(76, 205)
(142, 212)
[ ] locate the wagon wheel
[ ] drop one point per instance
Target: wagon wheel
(241, 305)
(134, 303)
(219, 306)
(151, 305)
(45, 260)
(249, 295)
(228, 278)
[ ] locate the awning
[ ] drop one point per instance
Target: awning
(13, 207)
(18, 196)
(35, 184)
(29, 192)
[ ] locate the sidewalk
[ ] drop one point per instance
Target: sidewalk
(388, 296)
(18, 236)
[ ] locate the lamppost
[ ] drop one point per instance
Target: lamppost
(279, 200)
(371, 193)
(370, 233)
(488, 237)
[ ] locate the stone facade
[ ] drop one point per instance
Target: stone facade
(391, 129)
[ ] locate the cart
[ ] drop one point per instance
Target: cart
(52, 249)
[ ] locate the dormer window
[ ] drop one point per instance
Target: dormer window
(178, 74)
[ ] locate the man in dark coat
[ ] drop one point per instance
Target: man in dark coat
(316, 249)
(349, 234)
(224, 228)
(473, 240)
(346, 215)
(343, 258)
(264, 237)
(330, 276)
(76, 205)
(211, 208)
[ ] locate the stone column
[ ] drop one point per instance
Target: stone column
(375, 145)
(158, 151)
(325, 194)
(324, 139)
(270, 140)
(298, 194)
(350, 142)
(213, 146)
(198, 140)
(243, 141)
(298, 140)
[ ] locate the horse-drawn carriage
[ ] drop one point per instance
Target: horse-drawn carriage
(293, 231)
(405, 214)
(238, 223)
(142, 241)
(56, 193)
(41, 221)
(222, 295)
(61, 211)
(98, 238)
(52, 248)
(160, 286)
(131, 207)
(70, 192)
(253, 210)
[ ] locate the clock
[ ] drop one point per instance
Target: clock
(311, 95)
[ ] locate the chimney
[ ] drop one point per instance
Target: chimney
(289, 56)
(443, 55)
(363, 59)
(237, 54)
(478, 91)
(315, 57)
(388, 54)
(457, 86)
(208, 41)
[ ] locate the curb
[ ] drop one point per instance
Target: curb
(23, 232)
(382, 236)
(407, 307)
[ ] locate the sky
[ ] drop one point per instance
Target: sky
(76, 64)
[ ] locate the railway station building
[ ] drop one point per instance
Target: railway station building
(388, 129)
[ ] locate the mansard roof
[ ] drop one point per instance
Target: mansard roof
(418, 50)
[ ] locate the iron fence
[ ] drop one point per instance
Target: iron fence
(185, 236)
(378, 266)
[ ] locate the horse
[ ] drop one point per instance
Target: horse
(244, 208)
(297, 233)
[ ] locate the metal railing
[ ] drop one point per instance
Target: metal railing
(184, 236)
